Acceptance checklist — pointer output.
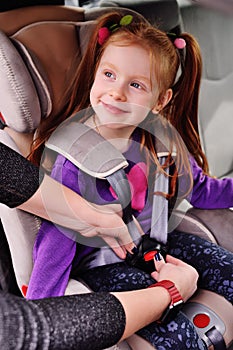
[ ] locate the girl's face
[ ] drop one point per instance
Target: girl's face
(123, 91)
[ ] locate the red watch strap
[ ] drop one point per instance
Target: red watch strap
(172, 290)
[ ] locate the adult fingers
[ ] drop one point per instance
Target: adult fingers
(120, 251)
(158, 262)
(175, 261)
(117, 238)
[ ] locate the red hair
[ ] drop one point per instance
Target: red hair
(181, 112)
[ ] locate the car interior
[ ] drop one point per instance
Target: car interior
(39, 47)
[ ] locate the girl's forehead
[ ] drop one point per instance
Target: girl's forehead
(126, 50)
(133, 58)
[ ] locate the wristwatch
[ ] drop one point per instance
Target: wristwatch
(176, 300)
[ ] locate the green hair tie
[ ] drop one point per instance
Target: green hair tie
(105, 32)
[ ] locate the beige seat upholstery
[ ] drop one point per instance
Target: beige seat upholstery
(213, 30)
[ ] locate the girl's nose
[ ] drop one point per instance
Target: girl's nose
(118, 93)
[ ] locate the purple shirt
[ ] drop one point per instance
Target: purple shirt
(55, 252)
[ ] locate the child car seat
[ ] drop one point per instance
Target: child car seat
(23, 119)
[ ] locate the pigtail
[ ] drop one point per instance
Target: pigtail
(184, 105)
(76, 96)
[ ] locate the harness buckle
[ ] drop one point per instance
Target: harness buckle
(143, 257)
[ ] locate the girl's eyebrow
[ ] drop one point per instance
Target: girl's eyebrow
(109, 64)
(137, 77)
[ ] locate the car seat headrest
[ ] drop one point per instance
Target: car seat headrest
(164, 14)
(25, 94)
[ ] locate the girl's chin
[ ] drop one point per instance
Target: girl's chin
(118, 125)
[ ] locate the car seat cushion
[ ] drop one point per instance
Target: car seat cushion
(25, 96)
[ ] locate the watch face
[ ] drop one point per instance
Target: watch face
(171, 312)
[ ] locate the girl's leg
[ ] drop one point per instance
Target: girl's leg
(213, 263)
(116, 277)
(177, 335)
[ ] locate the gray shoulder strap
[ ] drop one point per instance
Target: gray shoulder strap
(86, 149)
(97, 157)
(159, 218)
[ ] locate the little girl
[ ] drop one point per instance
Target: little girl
(131, 75)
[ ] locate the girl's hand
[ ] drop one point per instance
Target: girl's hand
(183, 275)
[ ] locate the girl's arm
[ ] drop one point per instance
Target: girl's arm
(209, 192)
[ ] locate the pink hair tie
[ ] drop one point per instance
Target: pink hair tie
(180, 43)
(103, 35)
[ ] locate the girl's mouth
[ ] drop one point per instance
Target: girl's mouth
(113, 109)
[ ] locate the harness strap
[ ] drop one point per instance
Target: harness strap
(120, 184)
(159, 219)
(216, 339)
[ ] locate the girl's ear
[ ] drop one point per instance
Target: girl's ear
(162, 102)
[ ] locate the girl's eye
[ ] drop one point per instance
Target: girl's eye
(108, 74)
(136, 85)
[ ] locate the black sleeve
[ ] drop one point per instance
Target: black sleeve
(85, 322)
(19, 179)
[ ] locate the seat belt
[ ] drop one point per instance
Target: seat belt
(159, 219)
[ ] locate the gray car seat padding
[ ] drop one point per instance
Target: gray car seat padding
(26, 73)
(19, 96)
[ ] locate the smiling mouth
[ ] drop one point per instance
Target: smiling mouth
(113, 109)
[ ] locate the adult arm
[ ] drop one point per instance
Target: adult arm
(19, 179)
(25, 186)
(58, 203)
(87, 321)
(74, 322)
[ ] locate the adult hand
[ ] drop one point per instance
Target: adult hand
(59, 204)
(108, 225)
(183, 275)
